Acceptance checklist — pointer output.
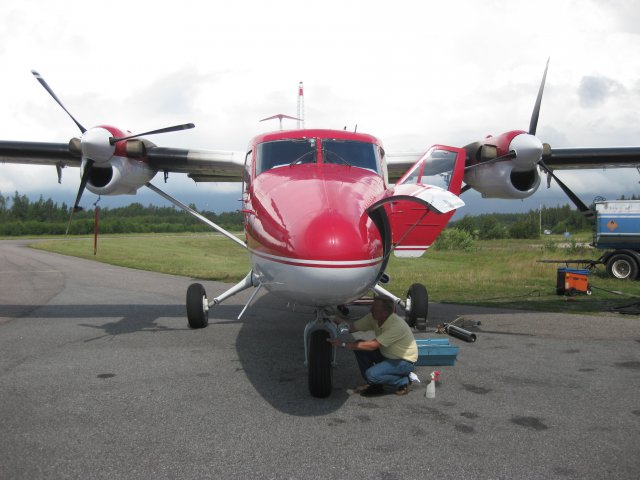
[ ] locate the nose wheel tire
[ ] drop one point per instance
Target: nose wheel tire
(320, 370)
(417, 307)
(197, 306)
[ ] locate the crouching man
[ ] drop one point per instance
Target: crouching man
(390, 357)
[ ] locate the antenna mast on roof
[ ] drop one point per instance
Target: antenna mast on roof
(280, 116)
(300, 106)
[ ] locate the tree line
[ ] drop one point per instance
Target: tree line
(20, 216)
(558, 219)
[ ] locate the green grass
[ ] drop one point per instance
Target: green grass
(499, 273)
(508, 274)
(204, 256)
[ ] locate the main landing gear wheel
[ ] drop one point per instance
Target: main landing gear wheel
(197, 306)
(417, 307)
(622, 266)
(320, 370)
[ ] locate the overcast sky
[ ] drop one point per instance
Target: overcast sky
(413, 73)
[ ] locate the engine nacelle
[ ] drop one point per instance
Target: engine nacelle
(503, 180)
(121, 176)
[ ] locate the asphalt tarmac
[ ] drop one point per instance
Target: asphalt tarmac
(100, 377)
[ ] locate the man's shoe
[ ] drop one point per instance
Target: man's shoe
(372, 390)
(403, 390)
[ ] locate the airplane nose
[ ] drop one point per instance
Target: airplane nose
(311, 239)
(333, 236)
(318, 218)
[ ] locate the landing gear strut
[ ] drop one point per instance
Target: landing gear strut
(416, 306)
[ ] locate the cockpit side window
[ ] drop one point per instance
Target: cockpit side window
(414, 175)
(436, 169)
(285, 152)
(353, 153)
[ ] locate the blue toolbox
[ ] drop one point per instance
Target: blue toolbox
(436, 351)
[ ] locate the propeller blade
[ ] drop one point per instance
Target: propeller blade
(464, 189)
(533, 125)
(83, 184)
(175, 128)
(48, 89)
(574, 198)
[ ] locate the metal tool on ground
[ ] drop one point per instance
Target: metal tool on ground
(460, 333)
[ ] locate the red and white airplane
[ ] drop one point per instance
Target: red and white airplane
(322, 215)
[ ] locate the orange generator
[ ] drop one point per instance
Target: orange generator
(572, 281)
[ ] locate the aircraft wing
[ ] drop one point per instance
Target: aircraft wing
(556, 159)
(585, 158)
(38, 153)
(399, 163)
(200, 165)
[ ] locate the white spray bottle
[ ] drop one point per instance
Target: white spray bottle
(431, 386)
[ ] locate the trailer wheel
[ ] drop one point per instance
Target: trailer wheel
(622, 266)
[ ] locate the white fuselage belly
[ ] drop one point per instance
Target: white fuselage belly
(314, 282)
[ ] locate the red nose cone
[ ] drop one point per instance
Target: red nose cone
(319, 219)
(331, 235)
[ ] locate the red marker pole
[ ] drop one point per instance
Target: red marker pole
(95, 230)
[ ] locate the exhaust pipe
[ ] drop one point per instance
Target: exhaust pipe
(461, 333)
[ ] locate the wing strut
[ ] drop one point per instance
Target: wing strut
(586, 211)
(197, 215)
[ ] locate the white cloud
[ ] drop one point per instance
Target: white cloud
(413, 73)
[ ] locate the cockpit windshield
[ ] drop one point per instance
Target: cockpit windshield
(285, 152)
(352, 153)
(280, 153)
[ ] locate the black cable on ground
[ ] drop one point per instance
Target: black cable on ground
(630, 309)
(615, 292)
(533, 293)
